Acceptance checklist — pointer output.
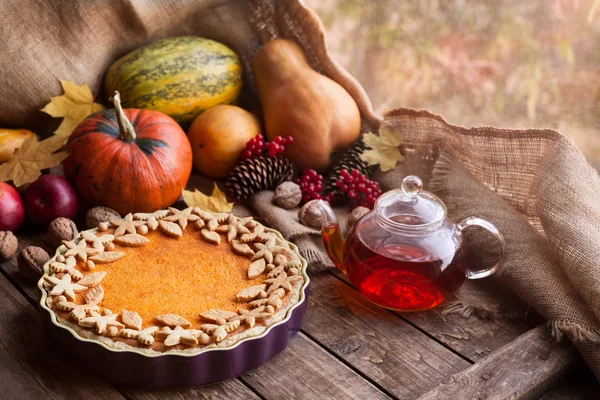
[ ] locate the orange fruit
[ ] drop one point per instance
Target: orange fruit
(218, 136)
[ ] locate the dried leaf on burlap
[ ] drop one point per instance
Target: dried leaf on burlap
(383, 149)
(31, 158)
(216, 202)
(73, 106)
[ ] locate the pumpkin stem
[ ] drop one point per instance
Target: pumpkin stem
(125, 126)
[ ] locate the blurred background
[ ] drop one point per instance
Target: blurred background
(504, 63)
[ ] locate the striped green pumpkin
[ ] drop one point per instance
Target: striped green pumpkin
(179, 76)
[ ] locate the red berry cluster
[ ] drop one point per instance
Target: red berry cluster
(311, 184)
(257, 146)
(359, 188)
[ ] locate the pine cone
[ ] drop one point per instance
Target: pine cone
(259, 173)
(349, 160)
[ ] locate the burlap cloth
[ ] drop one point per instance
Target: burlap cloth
(533, 184)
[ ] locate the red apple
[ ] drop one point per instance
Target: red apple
(48, 198)
(12, 213)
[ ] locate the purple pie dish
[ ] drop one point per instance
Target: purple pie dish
(169, 370)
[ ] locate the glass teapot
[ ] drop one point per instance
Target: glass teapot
(405, 253)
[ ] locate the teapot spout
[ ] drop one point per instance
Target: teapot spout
(332, 235)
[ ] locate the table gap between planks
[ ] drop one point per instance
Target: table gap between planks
(347, 348)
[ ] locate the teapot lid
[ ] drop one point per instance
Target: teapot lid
(411, 206)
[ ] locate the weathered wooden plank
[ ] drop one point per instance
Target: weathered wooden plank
(306, 371)
(386, 349)
(232, 389)
(29, 366)
(526, 368)
(471, 337)
(580, 384)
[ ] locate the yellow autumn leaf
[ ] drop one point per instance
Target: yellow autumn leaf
(217, 202)
(73, 106)
(31, 158)
(384, 149)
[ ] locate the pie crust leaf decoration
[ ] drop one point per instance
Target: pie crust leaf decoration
(101, 322)
(144, 336)
(112, 331)
(173, 320)
(249, 318)
(170, 228)
(274, 300)
(257, 268)
(77, 311)
(64, 286)
(234, 227)
(179, 335)
(132, 240)
(79, 250)
(242, 249)
(125, 225)
(107, 256)
(97, 242)
(92, 279)
(264, 251)
(182, 217)
(292, 264)
(248, 237)
(252, 292)
(211, 237)
(280, 259)
(282, 281)
(131, 319)
(275, 272)
(219, 332)
(219, 317)
(152, 218)
(95, 295)
(68, 266)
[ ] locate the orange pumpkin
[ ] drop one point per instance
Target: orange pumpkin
(130, 160)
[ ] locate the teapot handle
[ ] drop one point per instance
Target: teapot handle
(474, 221)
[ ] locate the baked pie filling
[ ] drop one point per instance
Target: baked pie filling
(173, 280)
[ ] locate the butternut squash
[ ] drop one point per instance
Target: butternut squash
(297, 101)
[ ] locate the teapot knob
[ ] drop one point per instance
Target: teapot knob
(412, 185)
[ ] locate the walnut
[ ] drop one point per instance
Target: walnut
(355, 216)
(288, 195)
(31, 262)
(8, 245)
(310, 215)
(61, 229)
(97, 215)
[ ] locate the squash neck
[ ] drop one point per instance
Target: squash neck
(127, 132)
(284, 65)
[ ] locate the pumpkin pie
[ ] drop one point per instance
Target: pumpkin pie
(173, 281)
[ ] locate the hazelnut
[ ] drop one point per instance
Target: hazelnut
(100, 214)
(31, 262)
(288, 195)
(355, 215)
(310, 215)
(61, 229)
(8, 245)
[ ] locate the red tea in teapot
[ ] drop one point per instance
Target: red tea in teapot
(405, 254)
(404, 279)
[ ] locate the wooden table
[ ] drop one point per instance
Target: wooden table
(347, 348)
